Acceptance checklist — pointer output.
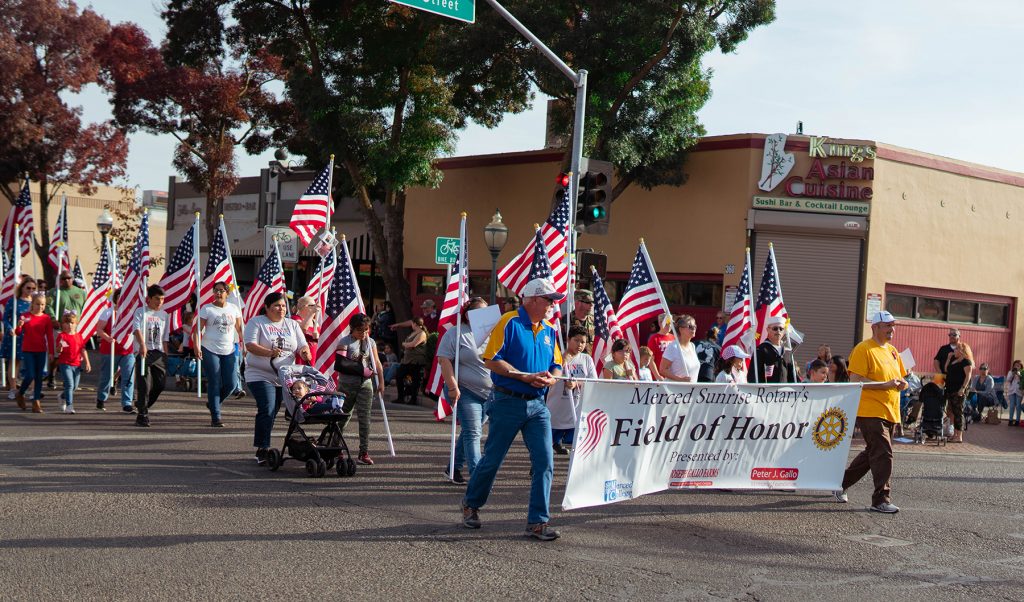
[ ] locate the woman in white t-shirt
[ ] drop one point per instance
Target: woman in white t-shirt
(219, 323)
(679, 362)
(272, 341)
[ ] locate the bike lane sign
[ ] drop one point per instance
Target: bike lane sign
(446, 250)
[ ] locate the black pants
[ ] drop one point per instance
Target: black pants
(149, 387)
(416, 372)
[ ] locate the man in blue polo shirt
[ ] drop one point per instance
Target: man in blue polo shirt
(523, 357)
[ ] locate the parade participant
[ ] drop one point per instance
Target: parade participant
(647, 369)
(414, 360)
(583, 312)
(773, 365)
(817, 371)
(708, 352)
(659, 341)
(511, 304)
(732, 368)
(523, 357)
(877, 364)
(15, 307)
(71, 358)
(34, 328)
(680, 363)
(152, 333)
(72, 299)
(958, 369)
(942, 355)
(307, 313)
(214, 341)
(124, 362)
(359, 369)
(469, 394)
(619, 366)
(563, 398)
(837, 371)
(272, 341)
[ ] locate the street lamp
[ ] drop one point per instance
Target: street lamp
(104, 223)
(495, 235)
(280, 165)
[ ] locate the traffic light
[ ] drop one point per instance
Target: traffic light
(594, 198)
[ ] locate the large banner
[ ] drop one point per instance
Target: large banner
(638, 438)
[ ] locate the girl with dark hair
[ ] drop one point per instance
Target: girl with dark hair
(219, 323)
(837, 372)
(358, 365)
(620, 367)
(272, 340)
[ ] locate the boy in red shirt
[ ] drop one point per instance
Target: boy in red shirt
(71, 356)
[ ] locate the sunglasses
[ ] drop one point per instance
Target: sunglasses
(776, 329)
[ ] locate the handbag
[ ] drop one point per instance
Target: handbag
(353, 366)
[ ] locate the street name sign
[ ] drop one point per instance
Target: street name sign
(460, 10)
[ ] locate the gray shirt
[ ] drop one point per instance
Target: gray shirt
(473, 376)
(352, 348)
(285, 335)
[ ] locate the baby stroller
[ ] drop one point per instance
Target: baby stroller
(321, 406)
(933, 415)
(184, 370)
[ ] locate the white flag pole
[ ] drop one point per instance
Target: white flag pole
(195, 332)
(458, 334)
(657, 285)
(330, 199)
(16, 266)
(789, 326)
(113, 316)
(753, 314)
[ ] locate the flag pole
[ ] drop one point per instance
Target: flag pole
(113, 318)
(60, 262)
(753, 314)
(330, 198)
(16, 266)
(231, 266)
(195, 317)
(458, 335)
(789, 321)
(657, 285)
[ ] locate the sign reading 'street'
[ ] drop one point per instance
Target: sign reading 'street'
(461, 10)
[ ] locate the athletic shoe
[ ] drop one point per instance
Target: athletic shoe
(261, 456)
(458, 479)
(142, 420)
(885, 508)
(542, 532)
(470, 518)
(63, 406)
(216, 423)
(560, 450)
(69, 410)
(100, 406)
(238, 394)
(12, 395)
(364, 458)
(128, 409)
(840, 495)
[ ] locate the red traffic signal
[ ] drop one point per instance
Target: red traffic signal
(563, 180)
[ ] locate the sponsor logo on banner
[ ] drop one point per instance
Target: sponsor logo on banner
(774, 474)
(614, 490)
(830, 429)
(595, 423)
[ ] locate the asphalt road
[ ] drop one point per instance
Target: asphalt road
(92, 507)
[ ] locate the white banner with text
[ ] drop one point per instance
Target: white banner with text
(639, 438)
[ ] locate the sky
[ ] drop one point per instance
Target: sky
(942, 78)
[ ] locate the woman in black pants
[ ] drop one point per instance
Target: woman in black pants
(414, 360)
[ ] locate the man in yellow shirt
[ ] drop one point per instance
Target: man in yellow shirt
(878, 365)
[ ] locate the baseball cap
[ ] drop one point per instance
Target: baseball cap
(734, 351)
(582, 294)
(427, 303)
(540, 287)
(882, 317)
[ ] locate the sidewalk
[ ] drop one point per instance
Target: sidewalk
(979, 440)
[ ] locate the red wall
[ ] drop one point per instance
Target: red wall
(990, 345)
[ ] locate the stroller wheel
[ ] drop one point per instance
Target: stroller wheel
(330, 464)
(274, 459)
(321, 469)
(350, 467)
(341, 468)
(311, 467)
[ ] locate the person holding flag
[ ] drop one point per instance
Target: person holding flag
(214, 343)
(63, 298)
(17, 305)
(152, 331)
(773, 364)
(122, 357)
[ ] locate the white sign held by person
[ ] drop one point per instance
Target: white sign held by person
(637, 438)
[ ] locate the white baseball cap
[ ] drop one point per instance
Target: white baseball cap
(882, 317)
(734, 351)
(540, 287)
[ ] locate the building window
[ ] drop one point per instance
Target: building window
(430, 284)
(993, 314)
(957, 311)
(931, 309)
(901, 306)
(963, 311)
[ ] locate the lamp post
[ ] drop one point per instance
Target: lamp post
(104, 223)
(495, 235)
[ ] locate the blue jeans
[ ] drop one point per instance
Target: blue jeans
(221, 379)
(1015, 406)
(70, 376)
(268, 403)
(35, 366)
(510, 415)
(390, 372)
(124, 363)
(562, 436)
(470, 410)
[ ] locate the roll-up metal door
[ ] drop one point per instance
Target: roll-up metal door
(820, 278)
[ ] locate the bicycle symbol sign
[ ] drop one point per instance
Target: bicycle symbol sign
(446, 250)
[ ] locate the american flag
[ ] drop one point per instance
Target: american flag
(343, 302)
(97, 297)
(606, 324)
(57, 256)
(20, 214)
(179, 281)
(116, 277)
(12, 276)
(77, 272)
(270, 279)
(320, 284)
(541, 268)
(133, 294)
(313, 208)
(555, 232)
(738, 330)
(641, 300)
(454, 298)
(218, 267)
(769, 297)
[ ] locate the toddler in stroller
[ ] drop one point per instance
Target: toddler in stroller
(310, 399)
(933, 415)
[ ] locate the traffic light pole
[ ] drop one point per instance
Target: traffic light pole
(579, 81)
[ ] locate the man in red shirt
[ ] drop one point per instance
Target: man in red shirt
(659, 341)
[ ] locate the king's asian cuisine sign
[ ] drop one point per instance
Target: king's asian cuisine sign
(836, 171)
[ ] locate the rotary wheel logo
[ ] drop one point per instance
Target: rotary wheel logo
(830, 428)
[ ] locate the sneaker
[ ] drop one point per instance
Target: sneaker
(840, 495)
(261, 456)
(216, 423)
(560, 449)
(458, 479)
(100, 406)
(364, 458)
(69, 410)
(128, 409)
(542, 532)
(239, 394)
(885, 508)
(63, 406)
(142, 420)
(470, 518)
(12, 395)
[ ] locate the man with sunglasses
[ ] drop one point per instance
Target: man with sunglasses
(72, 299)
(944, 352)
(774, 362)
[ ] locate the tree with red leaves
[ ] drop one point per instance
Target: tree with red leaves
(194, 89)
(46, 53)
